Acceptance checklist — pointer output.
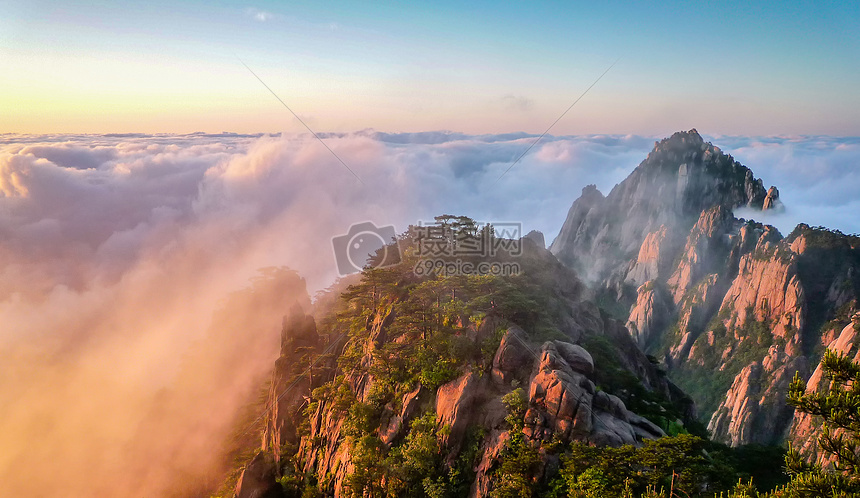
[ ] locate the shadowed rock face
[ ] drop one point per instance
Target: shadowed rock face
(731, 307)
(649, 315)
(754, 410)
(697, 259)
(536, 237)
(512, 359)
(259, 479)
(293, 377)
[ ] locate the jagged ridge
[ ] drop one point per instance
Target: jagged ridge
(732, 307)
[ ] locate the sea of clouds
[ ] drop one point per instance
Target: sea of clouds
(115, 250)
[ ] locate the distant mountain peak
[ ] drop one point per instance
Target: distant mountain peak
(684, 136)
(681, 177)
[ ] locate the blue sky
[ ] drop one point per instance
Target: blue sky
(478, 67)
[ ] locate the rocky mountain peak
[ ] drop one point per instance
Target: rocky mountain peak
(704, 176)
(771, 200)
(732, 307)
(689, 138)
(590, 194)
(681, 177)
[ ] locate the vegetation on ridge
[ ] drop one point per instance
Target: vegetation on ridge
(404, 331)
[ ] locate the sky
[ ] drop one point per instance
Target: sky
(147, 176)
(737, 68)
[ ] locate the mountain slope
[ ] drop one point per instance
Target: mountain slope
(412, 381)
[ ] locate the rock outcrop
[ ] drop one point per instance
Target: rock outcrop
(767, 289)
(649, 315)
(292, 378)
(771, 200)
(513, 358)
(703, 252)
(652, 260)
(396, 425)
(564, 403)
(455, 404)
(754, 410)
(536, 237)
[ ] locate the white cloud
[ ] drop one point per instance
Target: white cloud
(517, 103)
(818, 177)
(114, 250)
(259, 15)
(89, 191)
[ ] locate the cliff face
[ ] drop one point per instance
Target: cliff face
(293, 377)
(779, 296)
(804, 429)
(730, 306)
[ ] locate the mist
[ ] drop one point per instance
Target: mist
(143, 280)
(817, 176)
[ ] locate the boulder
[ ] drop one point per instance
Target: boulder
(564, 403)
(454, 406)
(576, 357)
(513, 358)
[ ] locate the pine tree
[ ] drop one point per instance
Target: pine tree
(838, 472)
